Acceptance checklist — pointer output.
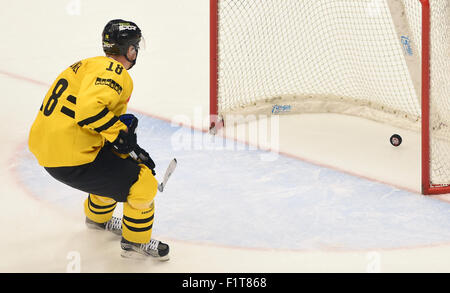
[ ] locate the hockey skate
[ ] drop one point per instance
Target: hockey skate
(114, 225)
(154, 248)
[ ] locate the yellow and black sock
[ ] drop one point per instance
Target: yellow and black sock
(98, 208)
(137, 224)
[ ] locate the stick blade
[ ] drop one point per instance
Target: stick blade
(169, 171)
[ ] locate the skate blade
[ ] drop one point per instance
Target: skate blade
(138, 256)
(95, 227)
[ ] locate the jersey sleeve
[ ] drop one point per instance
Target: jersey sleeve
(103, 97)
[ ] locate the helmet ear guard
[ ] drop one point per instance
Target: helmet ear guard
(133, 62)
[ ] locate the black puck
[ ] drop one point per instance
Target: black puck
(396, 140)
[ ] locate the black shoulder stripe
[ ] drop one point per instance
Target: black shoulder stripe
(68, 112)
(107, 124)
(72, 99)
(94, 118)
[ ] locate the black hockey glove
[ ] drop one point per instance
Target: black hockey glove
(126, 142)
(144, 158)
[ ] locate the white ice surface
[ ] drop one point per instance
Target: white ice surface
(236, 196)
(300, 217)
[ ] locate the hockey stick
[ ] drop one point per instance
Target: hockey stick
(169, 171)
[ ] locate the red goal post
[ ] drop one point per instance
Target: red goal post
(428, 187)
(407, 51)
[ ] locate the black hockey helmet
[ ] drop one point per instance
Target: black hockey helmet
(118, 35)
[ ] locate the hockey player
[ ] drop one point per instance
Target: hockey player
(82, 137)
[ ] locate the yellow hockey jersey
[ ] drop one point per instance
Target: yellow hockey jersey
(80, 112)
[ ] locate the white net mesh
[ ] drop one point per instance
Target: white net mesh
(358, 57)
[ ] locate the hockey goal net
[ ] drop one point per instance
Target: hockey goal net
(385, 60)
